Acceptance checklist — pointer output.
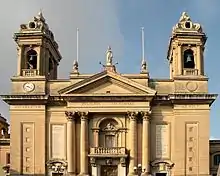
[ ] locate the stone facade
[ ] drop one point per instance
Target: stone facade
(109, 123)
(4, 146)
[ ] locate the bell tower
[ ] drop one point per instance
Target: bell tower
(186, 49)
(38, 54)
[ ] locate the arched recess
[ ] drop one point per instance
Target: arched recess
(215, 159)
(109, 133)
(189, 60)
(120, 124)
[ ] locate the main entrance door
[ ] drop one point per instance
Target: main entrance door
(161, 174)
(109, 170)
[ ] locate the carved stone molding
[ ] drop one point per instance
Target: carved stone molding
(123, 162)
(83, 115)
(132, 115)
(146, 115)
(109, 161)
(70, 115)
(93, 162)
(191, 86)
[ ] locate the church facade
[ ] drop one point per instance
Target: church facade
(109, 124)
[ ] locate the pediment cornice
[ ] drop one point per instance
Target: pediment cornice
(105, 77)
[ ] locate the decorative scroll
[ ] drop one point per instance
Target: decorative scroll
(83, 115)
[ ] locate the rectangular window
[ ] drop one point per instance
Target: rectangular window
(109, 141)
(7, 158)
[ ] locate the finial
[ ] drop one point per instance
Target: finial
(40, 16)
(143, 63)
(109, 56)
(184, 17)
(75, 66)
(144, 66)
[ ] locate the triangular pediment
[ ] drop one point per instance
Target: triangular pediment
(107, 82)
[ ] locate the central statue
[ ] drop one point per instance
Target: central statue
(109, 56)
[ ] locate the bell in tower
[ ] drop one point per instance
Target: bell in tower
(189, 59)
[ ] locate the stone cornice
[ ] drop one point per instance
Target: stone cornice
(161, 99)
(22, 99)
(185, 98)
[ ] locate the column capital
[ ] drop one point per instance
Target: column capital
(132, 115)
(83, 115)
(146, 115)
(70, 115)
(95, 130)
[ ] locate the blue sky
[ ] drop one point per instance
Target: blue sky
(116, 23)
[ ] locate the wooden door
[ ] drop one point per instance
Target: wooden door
(109, 170)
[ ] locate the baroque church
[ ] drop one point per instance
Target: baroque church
(109, 123)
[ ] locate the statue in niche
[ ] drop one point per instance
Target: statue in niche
(109, 56)
(109, 126)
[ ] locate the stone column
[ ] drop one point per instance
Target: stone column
(133, 141)
(84, 143)
(198, 60)
(71, 152)
(145, 142)
(96, 137)
(180, 60)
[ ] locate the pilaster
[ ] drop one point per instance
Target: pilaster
(145, 142)
(84, 143)
(71, 145)
(133, 141)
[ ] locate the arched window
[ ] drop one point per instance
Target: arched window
(3, 132)
(108, 133)
(217, 159)
(189, 61)
(31, 59)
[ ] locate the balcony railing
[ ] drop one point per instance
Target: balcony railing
(104, 151)
(189, 71)
(29, 72)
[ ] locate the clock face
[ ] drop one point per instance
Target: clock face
(28, 87)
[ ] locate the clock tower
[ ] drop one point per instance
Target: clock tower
(38, 57)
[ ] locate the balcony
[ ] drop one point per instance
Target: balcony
(29, 72)
(108, 152)
(189, 71)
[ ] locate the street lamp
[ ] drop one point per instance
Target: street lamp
(139, 170)
(6, 170)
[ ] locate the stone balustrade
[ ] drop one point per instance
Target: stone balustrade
(104, 151)
(29, 72)
(189, 71)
